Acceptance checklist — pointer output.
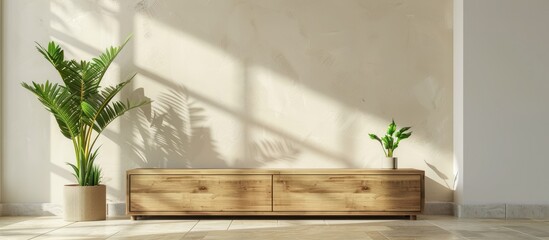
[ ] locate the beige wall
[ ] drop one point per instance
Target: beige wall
(458, 100)
(1, 102)
(505, 59)
(290, 84)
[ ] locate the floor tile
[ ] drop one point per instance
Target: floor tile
(427, 228)
(155, 229)
(300, 222)
(253, 224)
(28, 227)
(535, 230)
(211, 225)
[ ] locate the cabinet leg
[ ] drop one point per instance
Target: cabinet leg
(133, 217)
(413, 217)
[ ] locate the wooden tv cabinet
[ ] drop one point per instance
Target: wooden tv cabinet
(283, 192)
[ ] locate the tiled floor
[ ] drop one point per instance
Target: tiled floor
(426, 227)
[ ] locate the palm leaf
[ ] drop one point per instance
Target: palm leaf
(76, 173)
(89, 173)
(60, 103)
(115, 110)
(54, 54)
(67, 69)
(97, 104)
(101, 64)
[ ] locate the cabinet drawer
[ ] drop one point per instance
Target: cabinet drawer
(200, 193)
(381, 193)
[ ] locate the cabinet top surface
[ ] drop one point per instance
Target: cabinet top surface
(272, 171)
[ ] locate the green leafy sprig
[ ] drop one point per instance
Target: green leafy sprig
(392, 138)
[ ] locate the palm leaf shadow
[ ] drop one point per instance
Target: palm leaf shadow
(173, 135)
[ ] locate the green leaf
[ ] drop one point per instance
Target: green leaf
(386, 141)
(374, 137)
(404, 129)
(115, 110)
(392, 128)
(102, 63)
(405, 135)
(88, 109)
(76, 172)
(61, 104)
(90, 173)
(54, 54)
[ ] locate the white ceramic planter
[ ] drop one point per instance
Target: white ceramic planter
(390, 163)
(85, 203)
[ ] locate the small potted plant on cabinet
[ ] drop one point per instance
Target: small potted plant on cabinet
(390, 142)
(82, 109)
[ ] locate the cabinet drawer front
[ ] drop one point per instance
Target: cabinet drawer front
(347, 193)
(200, 193)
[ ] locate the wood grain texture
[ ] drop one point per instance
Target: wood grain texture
(347, 193)
(200, 193)
(276, 213)
(275, 192)
(255, 171)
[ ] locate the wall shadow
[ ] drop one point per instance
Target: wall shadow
(270, 150)
(284, 37)
(174, 132)
(439, 174)
(437, 191)
(248, 121)
(192, 17)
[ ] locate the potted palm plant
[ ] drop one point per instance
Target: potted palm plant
(390, 142)
(83, 109)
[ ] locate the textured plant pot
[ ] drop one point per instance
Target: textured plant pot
(390, 163)
(85, 203)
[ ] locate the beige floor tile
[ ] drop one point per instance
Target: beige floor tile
(151, 236)
(533, 229)
(5, 221)
(374, 235)
(253, 224)
(497, 234)
(79, 233)
(449, 237)
(195, 235)
(354, 221)
(360, 227)
(415, 231)
(428, 227)
(28, 227)
(298, 232)
(211, 225)
(155, 229)
(300, 222)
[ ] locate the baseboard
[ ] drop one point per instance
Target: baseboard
(51, 209)
(31, 209)
(503, 211)
(119, 209)
(439, 208)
